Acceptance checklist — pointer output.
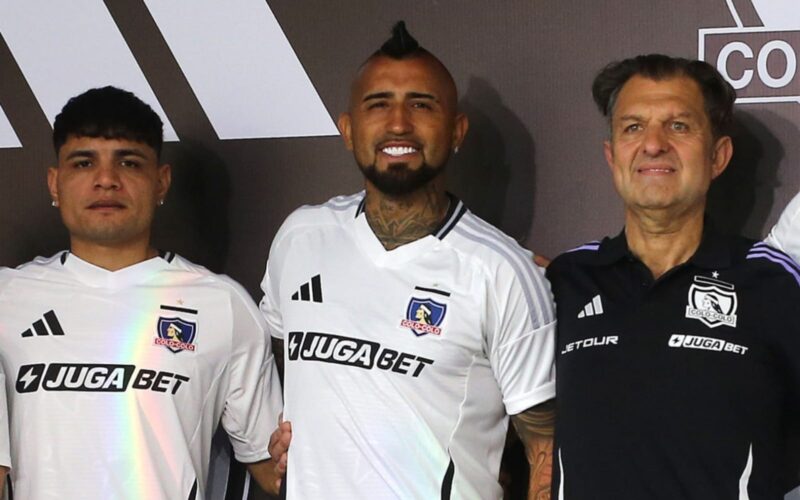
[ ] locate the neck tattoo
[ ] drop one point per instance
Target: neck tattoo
(395, 224)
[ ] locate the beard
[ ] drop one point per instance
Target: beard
(399, 179)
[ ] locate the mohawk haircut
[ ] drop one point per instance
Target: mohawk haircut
(401, 45)
(110, 113)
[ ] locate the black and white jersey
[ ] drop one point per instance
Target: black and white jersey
(678, 387)
(116, 381)
(401, 366)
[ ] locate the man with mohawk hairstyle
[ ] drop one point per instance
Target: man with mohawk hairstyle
(384, 405)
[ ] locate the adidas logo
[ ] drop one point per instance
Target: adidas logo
(42, 330)
(311, 291)
(593, 308)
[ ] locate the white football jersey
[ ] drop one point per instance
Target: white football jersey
(116, 381)
(785, 235)
(401, 366)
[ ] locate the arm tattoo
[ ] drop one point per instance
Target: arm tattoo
(535, 428)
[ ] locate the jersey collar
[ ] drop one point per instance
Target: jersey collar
(716, 251)
(95, 276)
(455, 211)
(375, 250)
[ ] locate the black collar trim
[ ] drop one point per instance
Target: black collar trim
(715, 251)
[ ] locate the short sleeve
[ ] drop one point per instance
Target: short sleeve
(253, 401)
(521, 335)
(270, 285)
(785, 235)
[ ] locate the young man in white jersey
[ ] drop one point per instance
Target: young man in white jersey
(411, 328)
(120, 361)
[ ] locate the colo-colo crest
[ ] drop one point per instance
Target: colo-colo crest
(176, 334)
(712, 301)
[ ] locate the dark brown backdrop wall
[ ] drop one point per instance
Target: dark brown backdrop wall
(532, 163)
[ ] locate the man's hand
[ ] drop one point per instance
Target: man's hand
(535, 429)
(278, 447)
(266, 475)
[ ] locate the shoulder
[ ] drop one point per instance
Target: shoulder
(332, 212)
(772, 263)
(38, 267)
(202, 275)
(785, 234)
(33, 275)
(584, 254)
(488, 244)
(313, 218)
(507, 264)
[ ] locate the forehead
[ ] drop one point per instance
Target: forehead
(675, 95)
(418, 74)
(100, 145)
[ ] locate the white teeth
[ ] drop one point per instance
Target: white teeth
(399, 151)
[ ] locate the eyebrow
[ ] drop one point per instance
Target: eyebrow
(635, 117)
(91, 153)
(421, 95)
(377, 95)
(129, 152)
(411, 95)
(81, 153)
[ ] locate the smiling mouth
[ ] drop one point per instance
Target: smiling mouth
(655, 170)
(397, 151)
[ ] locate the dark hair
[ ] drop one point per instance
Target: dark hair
(401, 45)
(110, 113)
(718, 95)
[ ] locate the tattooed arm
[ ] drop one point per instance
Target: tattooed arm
(535, 429)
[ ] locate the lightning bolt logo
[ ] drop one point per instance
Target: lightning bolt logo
(28, 377)
(295, 339)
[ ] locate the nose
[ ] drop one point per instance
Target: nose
(399, 121)
(655, 141)
(107, 176)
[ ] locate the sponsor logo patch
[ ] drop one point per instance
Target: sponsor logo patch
(424, 316)
(608, 340)
(176, 334)
(705, 343)
(712, 301)
(94, 378)
(358, 353)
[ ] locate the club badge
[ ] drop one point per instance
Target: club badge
(176, 334)
(424, 316)
(712, 301)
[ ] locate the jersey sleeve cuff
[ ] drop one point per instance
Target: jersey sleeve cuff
(250, 458)
(541, 394)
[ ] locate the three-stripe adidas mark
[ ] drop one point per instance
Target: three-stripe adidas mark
(593, 308)
(310, 291)
(42, 330)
